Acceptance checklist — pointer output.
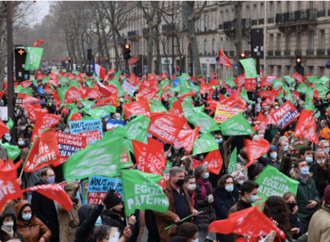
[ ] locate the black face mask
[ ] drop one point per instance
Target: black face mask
(180, 182)
(291, 206)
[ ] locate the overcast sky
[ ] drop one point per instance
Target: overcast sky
(43, 8)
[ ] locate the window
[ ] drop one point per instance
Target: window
(271, 41)
(255, 11)
(322, 39)
(279, 10)
(287, 6)
(213, 20)
(206, 22)
(287, 41)
(213, 46)
(298, 40)
(321, 5)
(232, 14)
(298, 5)
(221, 43)
(311, 5)
(226, 16)
(278, 41)
(221, 17)
(311, 40)
(204, 69)
(202, 22)
(247, 12)
(271, 10)
(204, 47)
(262, 9)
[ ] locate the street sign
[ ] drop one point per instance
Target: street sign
(235, 66)
(217, 58)
(217, 65)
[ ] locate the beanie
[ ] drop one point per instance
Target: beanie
(69, 186)
(111, 200)
(327, 195)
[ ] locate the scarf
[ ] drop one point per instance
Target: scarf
(9, 233)
(204, 184)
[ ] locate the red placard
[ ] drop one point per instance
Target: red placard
(250, 84)
(284, 115)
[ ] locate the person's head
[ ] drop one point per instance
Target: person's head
(306, 153)
(290, 199)
(24, 210)
(8, 220)
(48, 175)
(277, 209)
(117, 116)
(319, 156)
(226, 182)
(325, 145)
(260, 133)
(273, 152)
(239, 179)
(190, 183)
(29, 130)
(301, 167)
(324, 123)
(102, 233)
(249, 190)
(242, 152)
(113, 203)
(249, 119)
(187, 230)
(21, 142)
(327, 195)
(201, 172)
(218, 138)
(256, 138)
(70, 189)
(176, 176)
(282, 145)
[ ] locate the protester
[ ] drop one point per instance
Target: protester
(184, 232)
(320, 171)
(190, 185)
(102, 234)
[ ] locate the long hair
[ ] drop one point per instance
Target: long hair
(276, 208)
(186, 230)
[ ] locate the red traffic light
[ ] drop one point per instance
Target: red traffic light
(69, 58)
(242, 55)
(127, 46)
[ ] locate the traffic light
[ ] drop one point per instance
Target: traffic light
(20, 56)
(69, 59)
(242, 55)
(298, 60)
(127, 52)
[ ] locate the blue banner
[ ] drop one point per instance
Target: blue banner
(67, 150)
(40, 90)
(80, 126)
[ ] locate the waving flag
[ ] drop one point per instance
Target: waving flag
(224, 60)
(213, 161)
(114, 123)
(99, 70)
(255, 149)
(38, 42)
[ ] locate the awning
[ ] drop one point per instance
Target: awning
(133, 60)
(328, 64)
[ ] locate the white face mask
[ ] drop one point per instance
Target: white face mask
(8, 226)
(191, 187)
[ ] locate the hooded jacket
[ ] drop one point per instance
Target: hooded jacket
(3, 235)
(31, 230)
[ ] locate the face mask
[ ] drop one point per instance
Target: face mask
(291, 206)
(23, 127)
(7, 135)
(218, 141)
(51, 179)
(276, 107)
(29, 121)
(327, 150)
(191, 187)
(169, 155)
(253, 198)
(304, 171)
(117, 119)
(261, 136)
(206, 175)
(309, 159)
(286, 147)
(98, 222)
(66, 131)
(117, 211)
(250, 122)
(29, 132)
(319, 161)
(177, 148)
(179, 182)
(273, 156)
(240, 182)
(229, 188)
(195, 240)
(21, 142)
(80, 106)
(27, 216)
(8, 226)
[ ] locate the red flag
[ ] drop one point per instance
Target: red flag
(53, 192)
(9, 165)
(224, 60)
(38, 42)
(165, 127)
(255, 149)
(48, 89)
(201, 79)
(213, 161)
(250, 222)
(214, 82)
(44, 121)
(213, 76)
(186, 139)
(111, 71)
(32, 111)
(76, 116)
(205, 88)
(303, 121)
(73, 94)
(139, 107)
(103, 89)
(297, 77)
(177, 109)
(25, 84)
(92, 92)
(309, 132)
(263, 122)
(3, 129)
(27, 98)
(54, 82)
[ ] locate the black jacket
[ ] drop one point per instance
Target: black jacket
(320, 177)
(46, 210)
(296, 223)
(268, 161)
(114, 220)
(3, 236)
(223, 201)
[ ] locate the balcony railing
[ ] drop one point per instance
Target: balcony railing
(132, 33)
(320, 51)
(287, 52)
(277, 52)
(306, 15)
(297, 51)
(168, 27)
(271, 20)
(320, 13)
(261, 20)
(228, 25)
(220, 26)
(270, 52)
(310, 52)
(254, 22)
(231, 53)
(246, 23)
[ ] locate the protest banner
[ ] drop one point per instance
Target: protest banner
(68, 144)
(284, 115)
(272, 182)
(99, 186)
(129, 88)
(297, 144)
(81, 126)
(224, 113)
(250, 84)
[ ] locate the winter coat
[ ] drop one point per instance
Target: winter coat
(33, 230)
(319, 227)
(320, 177)
(224, 200)
(166, 219)
(296, 223)
(3, 235)
(208, 215)
(67, 229)
(115, 220)
(240, 163)
(306, 191)
(46, 210)
(268, 161)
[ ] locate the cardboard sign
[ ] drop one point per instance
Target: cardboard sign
(68, 144)
(98, 188)
(81, 126)
(250, 84)
(129, 88)
(223, 113)
(284, 115)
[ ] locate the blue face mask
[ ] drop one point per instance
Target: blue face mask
(26, 217)
(220, 140)
(229, 188)
(273, 156)
(286, 147)
(118, 119)
(206, 175)
(177, 148)
(98, 222)
(304, 171)
(327, 150)
(217, 140)
(23, 127)
(7, 135)
(169, 155)
(240, 182)
(51, 179)
(309, 159)
(253, 198)
(66, 131)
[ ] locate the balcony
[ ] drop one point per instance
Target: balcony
(231, 53)
(310, 52)
(220, 26)
(299, 16)
(254, 22)
(271, 20)
(287, 52)
(320, 13)
(228, 26)
(320, 51)
(261, 20)
(270, 52)
(168, 27)
(277, 52)
(134, 33)
(246, 23)
(297, 51)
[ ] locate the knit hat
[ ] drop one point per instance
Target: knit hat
(69, 186)
(271, 149)
(111, 200)
(239, 176)
(327, 195)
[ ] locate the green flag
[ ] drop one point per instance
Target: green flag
(184, 90)
(164, 83)
(230, 82)
(63, 80)
(237, 125)
(302, 88)
(288, 79)
(309, 105)
(245, 97)
(61, 92)
(156, 106)
(195, 88)
(33, 58)
(20, 89)
(322, 89)
(249, 66)
(121, 91)
(312, 79)
(309, 92)
(232, 162)
(188, 109)
(98, 113)
(272, 182)
(141, 191)
(101, 158)
(324, 79)
(87, 104)
(199, 109)
(277, 83)
(206, 123)
(75, 83)
(288, 96)
(13, 151)
(205, 143)
(168, 166)
(10, 124)
(90, 83)
(76, 72)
